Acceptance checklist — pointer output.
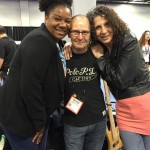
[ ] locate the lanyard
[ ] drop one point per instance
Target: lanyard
(75, 94)
(62, 57)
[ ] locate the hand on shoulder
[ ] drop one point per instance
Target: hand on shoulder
(67, 50)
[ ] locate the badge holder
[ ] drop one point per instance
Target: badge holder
(74, 105)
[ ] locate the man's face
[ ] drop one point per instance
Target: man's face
(104, 32)
(80, 33)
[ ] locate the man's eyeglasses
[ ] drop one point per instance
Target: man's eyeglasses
(76, 33)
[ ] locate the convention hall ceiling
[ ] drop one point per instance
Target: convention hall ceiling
(142, 2)
(138, 2)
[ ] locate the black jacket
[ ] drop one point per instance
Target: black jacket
(124, 69)
(34, 86)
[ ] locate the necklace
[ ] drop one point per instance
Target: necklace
(146, 49)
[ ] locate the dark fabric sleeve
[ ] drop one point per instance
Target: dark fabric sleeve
(122, 75)
(36, 55)
(2, 51)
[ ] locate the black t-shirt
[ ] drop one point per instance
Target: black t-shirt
(83, 79)
(7, 50)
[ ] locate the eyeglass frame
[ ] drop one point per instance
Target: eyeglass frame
(76, 33)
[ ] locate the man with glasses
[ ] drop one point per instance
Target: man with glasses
(85, 111)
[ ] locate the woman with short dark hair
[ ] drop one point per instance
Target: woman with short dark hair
(34, 87)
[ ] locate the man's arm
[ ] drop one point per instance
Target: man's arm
(1, 62)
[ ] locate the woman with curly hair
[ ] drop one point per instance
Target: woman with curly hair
(122, 65)
(34, 87)
(145, 45)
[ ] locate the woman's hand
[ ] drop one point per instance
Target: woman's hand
(67, 50)
(38, 136)
(97, 50)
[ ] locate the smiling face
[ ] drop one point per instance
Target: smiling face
(103, 31)
(147, 35)
(80, 34)
(58, 22)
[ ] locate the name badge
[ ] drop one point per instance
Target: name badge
(74, 105)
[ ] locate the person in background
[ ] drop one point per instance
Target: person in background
(121, 64)
(85, 113)
(35, 83)
(7, 51)
(145, 45)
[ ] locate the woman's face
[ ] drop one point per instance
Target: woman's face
(147, 36)
(58, 22)
(104, 32)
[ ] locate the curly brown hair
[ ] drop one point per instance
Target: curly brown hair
(48, 5)
(142, 39)
(118, 25)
